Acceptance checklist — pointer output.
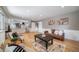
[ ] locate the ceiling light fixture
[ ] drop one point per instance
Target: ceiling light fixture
(40, 15)
(27, 10)
(62, 6)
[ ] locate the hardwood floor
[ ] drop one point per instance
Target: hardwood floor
(71, 45)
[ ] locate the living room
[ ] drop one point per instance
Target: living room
(30, 21)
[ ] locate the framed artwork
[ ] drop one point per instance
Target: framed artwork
(64, 21)
(61, 21)
(51, 22)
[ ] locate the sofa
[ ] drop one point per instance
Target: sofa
(58, 34)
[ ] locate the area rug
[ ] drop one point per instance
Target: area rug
(55, 47)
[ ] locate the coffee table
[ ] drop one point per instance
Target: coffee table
(46, 39)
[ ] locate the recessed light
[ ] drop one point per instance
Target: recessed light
(62, 6)
(27, 10)
(41, 15)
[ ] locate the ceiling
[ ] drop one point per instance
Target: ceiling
(39, 12)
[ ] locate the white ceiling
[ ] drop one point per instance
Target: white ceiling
(40, 12)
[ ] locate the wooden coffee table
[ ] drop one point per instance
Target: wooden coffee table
(46, 39)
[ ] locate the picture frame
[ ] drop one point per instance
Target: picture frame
(61, 21)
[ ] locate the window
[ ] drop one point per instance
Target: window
(2, 32)
(1, 22)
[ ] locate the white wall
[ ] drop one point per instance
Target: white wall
(72, 34)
